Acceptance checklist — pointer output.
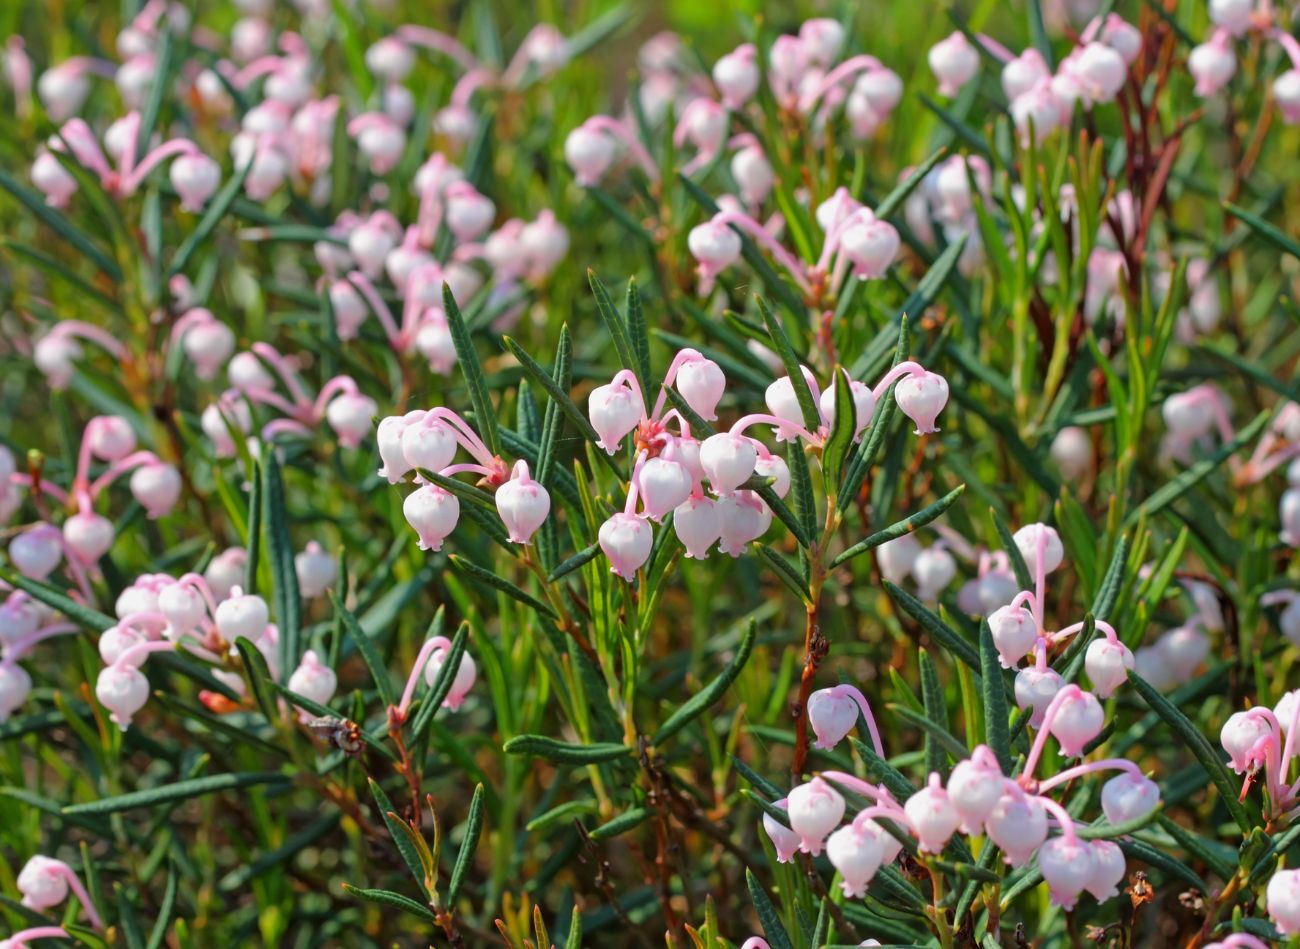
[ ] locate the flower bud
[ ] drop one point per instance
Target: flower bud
(313, 679)
(1079, 718)
(954, 62)
(626, 541)
(1233, 15)
(753, 173)
(433, 513)
(1072, 451)
(243, 615)
(469, 214)
(55, 355)
(1213, 65)
(701, 383)
(932, 816)
(20, 616)
(52, 179)
(522, 504)
(370, 243)
(1026, 540)
(614, 410)
(896, 557)
(822, 38)
(1018, 825)
(1123, 37)
(43, 882)
(1023, 73)
(715, 246)
(736, 76)
(382, 143)
(1067, 866)
(123, 690)
(728, 460)
(590, 153)
(225, 571)
(142, 597)
(933, 569)
(195, 178)
(1108, 869)
(1014, 634)
(350, 416)
(219, 418)
(872, 245)
(15, 686)
(698, 525)
(665, 485)
(37, 550)
(774, 467)
(1183, 650)
(1035, 689)
(744, 518)
(784, 404)
(1039, 109)
(815, 810)
(1283, 899)
(350, 309)
(110, 437)
(1108, 663)
(856, 851)
(785, 840)
(88, 536)
(157, 488)
(1245, 736)
(390, 59)
(116, 640)
(184, 607)
(832, 714)
(922, 397)
(1288, 513)
(391, 439)
(316, 570)
(1101, 72)
(466, 673)
(208, 345)
(975, 787)
(864, 404)
(1286, 92)
(434, 342)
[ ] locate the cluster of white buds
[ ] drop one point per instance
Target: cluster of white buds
(1263, 739)
(671, 470)
(1213, 63)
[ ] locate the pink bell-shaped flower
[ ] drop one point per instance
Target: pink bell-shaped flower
(1035, 689)
(975, 787)
(864, 404)
(589, 153)
(626, 541)
(856, 851)
(466, 674)
(1108, 663)
(20, 616)
(1108, 868)
(1235, 16)
(1018, 825)
(784, 404)
(785, 840)
(123, 690)
(728, 460)
(316, 570)
(701, 383)
(736, 76)
(523, 504)
(698, 525)
(664, 486)
(244, 614)
(1283, 899)
(349, 415)
(931, 813)
(389, 437)
(815, 810)
(614, 410)
(1079, 718)
(832, 714)
(313, 679)
(88, 536)
(1245, 736)
(116, 640)
(1100, 72)
(871, 244)
(744, 518)
(715, 247)
(184, 607)
(195, 178)
(15, 686)
(1027, 539)
(921, 397)
(1023, 73)
(37, 550)
(1129, 797)
(433, 513)
(774, 467)
(1014, 634)
(1067, 865)
(157, 488)
(43, 882)
(110, 437)
(954, 62)
(1212, 64)
(429, 444)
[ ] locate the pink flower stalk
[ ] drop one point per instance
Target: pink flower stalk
(44, 883)
(433, 654)
(21, 939)
(55, 353)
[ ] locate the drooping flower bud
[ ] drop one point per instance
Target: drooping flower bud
(815, 810)
(1079, 718)
(88, 536)
(701, 383)
(921, 398)
(856, 851)
(932, 815)
(1035, 689)
(933, 569)
(975, 787)
(1283, 899)
(1245, 736)
(896, 557)
(590, 153)
(1108, 869)
(626, 541)
(350, 309)
(1212, 64)
(715, 246)
(37, 550)
(785, 840)
(184, 607)
(736, 76)
(665, 485)
(871, 244)
(469, 213)
(226, 571)
(1026, 540)
(1233, 15)
(316, 570)
(15, 686)
(390, 438)
(1067, 866)
(864, 404)
(1108, 663)
(195, 178)
(753, 173)
(433, 513)
(1014, 634)
(728, 460)
(522, 504)
(123, 690)
(1018, 825)
(832, 714)
(43, 882)
(244, 614)
(1101, 72)
(157, 488)
(744, 517)
(698, 525)
(461, 685)
(614, 410)
(313, 679)
(208, 344)
(116, 640)
(20, 616)
(954, 62)
(1072, 451)
(1286, 93)
(1023, 73)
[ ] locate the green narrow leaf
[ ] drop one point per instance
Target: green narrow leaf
(906, 526)
(393, 900)
(550, 386)
(76, 612)
(180, 791)
(801, 488)
(284, 576)
(812, 418)
(465, 857)
(1018, 565)
(540, 746)
(637, 332)
(485, 420)
(903, 190)
(217, 208)
(254, 541)
(574, 939)
(936, 711)
(840, 440)
(58, 222)
(259, 677)
(697, 703)
(400, 831)
(628, 820)
(158, 90)
(944, 634)
(1273, 235)
(158, 936)
(365, 646)
(768, 918)
(578, 560)
(1112, 582)
(490, 579)
(617, 329)
(997, 733)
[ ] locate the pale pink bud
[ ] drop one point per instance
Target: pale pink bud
(815, 810)
(1183, 650)
(832, 714)
(208, 345)
(882, 88)
(461, 685)
(391, 439)
(116, 640)
(774, 467)
(744, 518)
(350, 310)
(370, 243)
(590, 153)
(382, 143)
(20, 616)
(975, 787)
(350, 416)
(429, 444)
(434, 341)
(1288, 513)
(665, 485)
(954, 62)
(856, 851)
(698, 525)
(1038, 108)
(243, 615)
(316, 570)
(701, 383)
(736, 76)
(184, 607)
(784, 404)
(469, 214)
(1108, 869)
(123, 690)
(402, 261)
(142, 597)
(1067, 866)
(1079, 718)
(195, 178)
(1018, 825)
(1245, 737)
(1213, 65)
(1026, 540)
(864, 404)
(728, 461)
(896, 557)
(1123, 37)
(214, 424)
(88, 536)
(821, 38)
(1233, 15)
(932, 816)
(626, 541)
(52, 179)
(1072, 451)
(62, 90)
(1035, 689)
(390, 59)
(55, 355)
(37, 550)
(1286, 92)
(1100, 70)
(313, 679)
(1282, 711)
(614, 410)
(110, 437)
(1014, 634)
(43, 882)
(922, 397)
(933, 569)
(157, 488)
(872, 245)
(134, 77)
(1108, 663)
(785, 840)
(753, 173)
(15, 686)
(432, 512)
(715, 246)
(522, 504)
(1283, 898)
(1024, 73)
(226, 571)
